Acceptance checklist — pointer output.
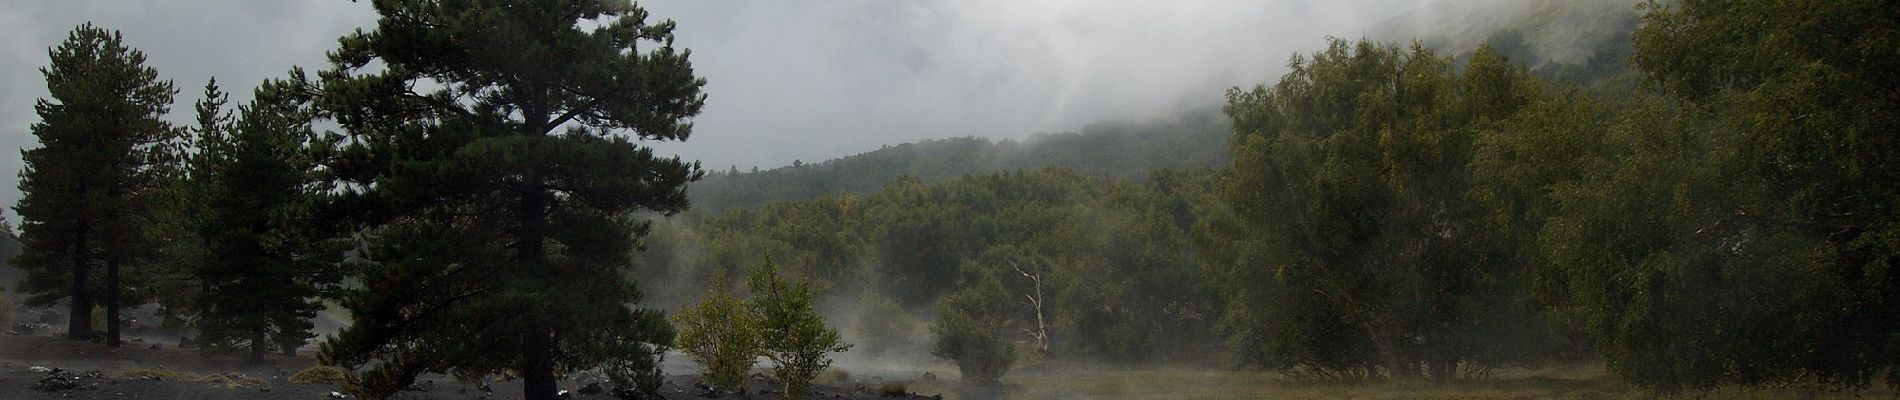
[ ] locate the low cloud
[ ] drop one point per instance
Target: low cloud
(788, 80)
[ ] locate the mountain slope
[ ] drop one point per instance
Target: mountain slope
(1197, 138)
(1559, 31)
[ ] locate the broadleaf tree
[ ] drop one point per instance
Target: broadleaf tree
(721, 333)
(490, 153)
(1739, 228)
(791, 332)
(1368, 255)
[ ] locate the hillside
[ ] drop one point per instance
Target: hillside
(1196, 138)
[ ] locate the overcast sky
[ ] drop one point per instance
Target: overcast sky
(808, 80)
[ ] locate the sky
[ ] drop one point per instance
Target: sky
(807, 80)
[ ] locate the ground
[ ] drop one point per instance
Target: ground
(221, 378)
(125, 373)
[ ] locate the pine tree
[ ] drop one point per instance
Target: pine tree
(491, 159)
(262, 262)
(87, 189)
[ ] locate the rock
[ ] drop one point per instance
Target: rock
(335, 395)
(591, 389)
(48, 316)
(562, 394)
(57, 380)
(155, 346)
(631, 394)
(40, 369)
(24, 329)
(711, 392)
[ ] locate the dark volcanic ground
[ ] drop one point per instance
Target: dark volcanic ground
(19, 355)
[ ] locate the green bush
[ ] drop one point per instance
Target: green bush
(795, 337)
(319, 374)
(721, 334)
(969, 331)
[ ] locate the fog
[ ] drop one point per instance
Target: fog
(786, 80)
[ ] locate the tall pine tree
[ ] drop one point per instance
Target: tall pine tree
(263, 260)
(490, 157)
(88, 188)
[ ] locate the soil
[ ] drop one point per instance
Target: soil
(22, 358)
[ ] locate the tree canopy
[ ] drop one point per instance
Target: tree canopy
(91, 187)
(490, 152)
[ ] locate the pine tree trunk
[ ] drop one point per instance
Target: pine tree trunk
(79, 323)
(257, 346)
(1441, 371)
(537, 358)
(537, 367)
(112, 302)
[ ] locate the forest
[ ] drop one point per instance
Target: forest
(1705, 203)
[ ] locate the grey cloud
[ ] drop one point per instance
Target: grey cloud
(815, 80)
(787, 80)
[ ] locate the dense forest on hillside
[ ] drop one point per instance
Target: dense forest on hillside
(1595, 51)
(1113, 257)
(1122, 149)
(1396, 211)
(1704, 200)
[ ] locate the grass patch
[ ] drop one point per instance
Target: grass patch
(319, 375)
(227, 380)
(1574, 382)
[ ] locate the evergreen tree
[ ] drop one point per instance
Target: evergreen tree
(490, 157)
(88, 190)
(263, 261)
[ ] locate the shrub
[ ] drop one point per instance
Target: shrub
(969, 331)
(228, 380)
(795, 337)
(721, 334)
(319, 374)
(892, 389)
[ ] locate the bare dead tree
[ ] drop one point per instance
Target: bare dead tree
(1041, 333)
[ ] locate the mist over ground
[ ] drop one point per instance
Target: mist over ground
(980, 200)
